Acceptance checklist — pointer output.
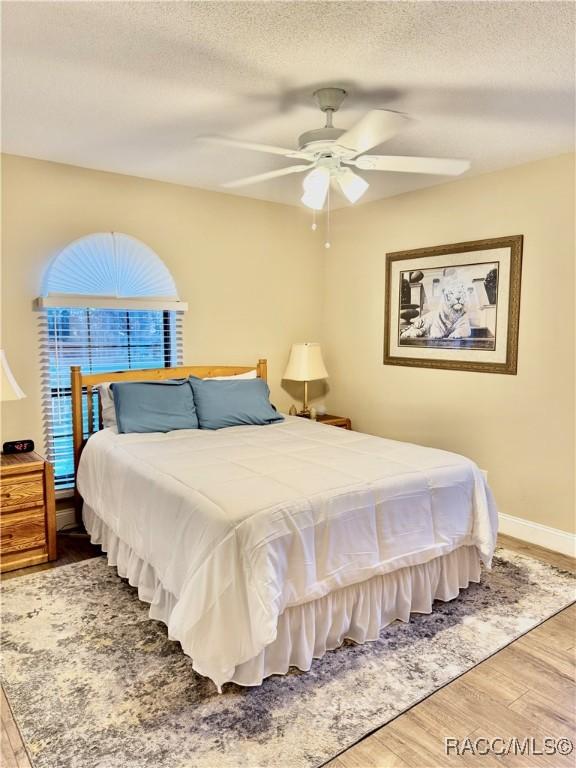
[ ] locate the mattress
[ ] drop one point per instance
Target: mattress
(241, 524)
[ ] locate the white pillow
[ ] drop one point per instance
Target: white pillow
(107, 403)
(249, 375)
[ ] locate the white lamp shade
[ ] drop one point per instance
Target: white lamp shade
(305, 363)
(352, 185)
(315, 187)
(9, 389)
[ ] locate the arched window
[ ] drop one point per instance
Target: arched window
(109, 303)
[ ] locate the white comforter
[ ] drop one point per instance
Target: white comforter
(241, 523)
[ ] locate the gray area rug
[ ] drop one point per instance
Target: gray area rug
(94, 683)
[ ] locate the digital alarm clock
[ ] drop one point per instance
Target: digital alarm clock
(18, 446)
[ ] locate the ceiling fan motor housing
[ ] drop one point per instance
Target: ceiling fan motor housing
(319, 135)
(324, 140)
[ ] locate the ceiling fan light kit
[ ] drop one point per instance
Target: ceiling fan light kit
(351, 184)
(330, 152)
(315, 187)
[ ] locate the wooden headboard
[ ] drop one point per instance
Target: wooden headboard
(87, 381)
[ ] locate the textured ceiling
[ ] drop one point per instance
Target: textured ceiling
(126, 87)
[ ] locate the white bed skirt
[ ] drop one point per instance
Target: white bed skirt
(305, 632)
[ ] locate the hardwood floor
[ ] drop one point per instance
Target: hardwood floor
(526, 690)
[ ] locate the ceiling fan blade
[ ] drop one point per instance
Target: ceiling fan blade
(399, 164)
(271, 150)
(376, 127)
(265, 176)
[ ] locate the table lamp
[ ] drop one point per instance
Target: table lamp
(305, 364)
(9, 390)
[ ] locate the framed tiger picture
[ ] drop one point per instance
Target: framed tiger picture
(455, 306)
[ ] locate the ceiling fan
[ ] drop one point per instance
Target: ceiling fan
(329, 153)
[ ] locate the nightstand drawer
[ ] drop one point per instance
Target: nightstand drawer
(27, 513)
(22, 530)
(24, 491)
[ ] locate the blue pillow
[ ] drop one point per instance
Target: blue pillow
(233, 403)
(154, 406)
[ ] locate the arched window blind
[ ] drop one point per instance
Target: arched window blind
(109, 303)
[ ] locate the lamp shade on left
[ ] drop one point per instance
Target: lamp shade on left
(9, 389)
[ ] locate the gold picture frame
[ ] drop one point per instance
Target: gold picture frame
(455, 306)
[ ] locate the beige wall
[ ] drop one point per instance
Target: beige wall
(519, 428)
(239, 263)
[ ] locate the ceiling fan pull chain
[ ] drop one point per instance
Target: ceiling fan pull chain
(327, 243)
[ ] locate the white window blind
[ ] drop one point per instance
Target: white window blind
(97, 340)
(108, 304)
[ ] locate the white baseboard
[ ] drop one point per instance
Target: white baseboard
(65, 518)
(536, 533)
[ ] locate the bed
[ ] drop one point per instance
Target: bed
(263, 547)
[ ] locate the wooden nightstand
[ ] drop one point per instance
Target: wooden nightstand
(27, 511)
(333, 421)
